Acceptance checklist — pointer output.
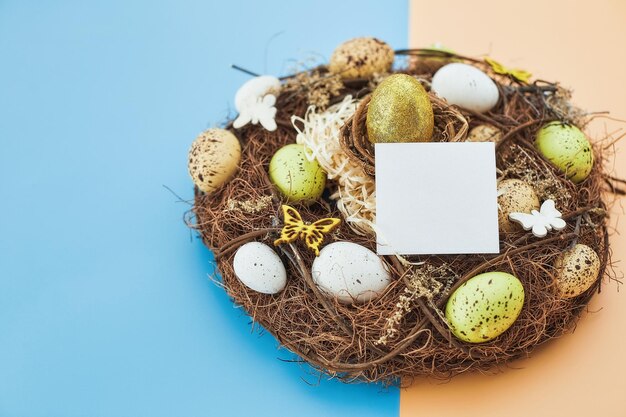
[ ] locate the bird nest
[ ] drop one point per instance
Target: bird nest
(449, 126)
(403, 333)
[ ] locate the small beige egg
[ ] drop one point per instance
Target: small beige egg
(514, 196)
(577, 270)
(361, 58)
(485, 133)
(213, 159)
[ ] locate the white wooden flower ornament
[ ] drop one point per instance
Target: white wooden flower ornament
(542, 221)
(255, 102)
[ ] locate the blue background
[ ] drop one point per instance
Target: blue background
(106, 308)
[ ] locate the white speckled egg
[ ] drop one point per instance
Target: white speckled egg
(577, 270)
(361, 58)
(466, 86)
(485, 133)
(213, 159)
(514, 196)
(259, 268)
(350, 272)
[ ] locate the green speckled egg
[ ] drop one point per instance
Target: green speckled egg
(485, 306)
(577, 270)
(567, 147)
(295, 176)
(400, 111)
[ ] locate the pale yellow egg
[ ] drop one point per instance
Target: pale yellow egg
(213, 159)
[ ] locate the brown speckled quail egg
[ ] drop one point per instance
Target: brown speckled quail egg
(361, 58)
(577, 270)
(484, 133)
(213, 159)
(514, 196)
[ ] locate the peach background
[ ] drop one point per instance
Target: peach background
(580, 45)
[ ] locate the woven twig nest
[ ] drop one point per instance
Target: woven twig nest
(450, 126)
(403, 333)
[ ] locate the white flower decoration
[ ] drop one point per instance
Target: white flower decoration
(255, 102)
(542, 221)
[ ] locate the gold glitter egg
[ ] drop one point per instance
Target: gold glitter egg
(361, 58)
(400, 111)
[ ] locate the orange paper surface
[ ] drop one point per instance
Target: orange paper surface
(580, 45)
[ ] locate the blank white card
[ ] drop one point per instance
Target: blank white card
(436, 198)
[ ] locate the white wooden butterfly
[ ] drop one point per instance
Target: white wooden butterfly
(542, 221)
(255, 102)
(262, 110)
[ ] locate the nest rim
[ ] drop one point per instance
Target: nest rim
(439, 355)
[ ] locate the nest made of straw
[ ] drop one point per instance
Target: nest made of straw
(403, 333)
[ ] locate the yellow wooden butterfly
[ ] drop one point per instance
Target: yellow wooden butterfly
(518, 74)
(313, 234)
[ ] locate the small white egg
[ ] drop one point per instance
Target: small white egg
(350, 272)
(465, 86)
(259, 268)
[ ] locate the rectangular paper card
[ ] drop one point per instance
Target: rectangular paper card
(436, 198)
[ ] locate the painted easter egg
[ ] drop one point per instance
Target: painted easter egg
(465, 86)
(350, 272)
(361, 58)
(259, 268)
(485, 306)
(213, 159)
(400, 111)
(514, 196)
(297, 177)
(484, 133)
(567, 147)
(577, 270)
